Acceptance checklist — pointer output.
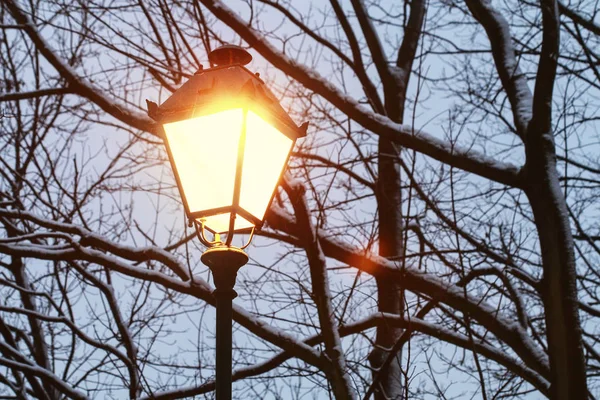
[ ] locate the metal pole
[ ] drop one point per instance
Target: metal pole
(224, 262)
(224, 299)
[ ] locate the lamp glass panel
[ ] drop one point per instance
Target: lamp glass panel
(220, 223)
(265, 155)
(204, 151)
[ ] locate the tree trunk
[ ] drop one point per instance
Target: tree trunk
(567, 364)
(389, 293)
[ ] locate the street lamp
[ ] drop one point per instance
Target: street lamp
(228, 141)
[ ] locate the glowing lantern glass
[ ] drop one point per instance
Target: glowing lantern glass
(228, 140)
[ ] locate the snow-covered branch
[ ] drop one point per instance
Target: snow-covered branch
(505, 329)
(196, 287)
(21, 363)
(76, 83)
(513, 79)
(307, 233)
(16, 96)
(405, 136)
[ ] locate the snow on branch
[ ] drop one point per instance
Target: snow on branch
(357, 327)
(505, 329)
(28, 368)
(513, 79)
(78, 332)
(196, 287)
(89, 238)
(76, 83)
(457, 339)
(317, 262)
(16, 96)
(463, 158)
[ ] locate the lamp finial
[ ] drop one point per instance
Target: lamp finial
(229, 55)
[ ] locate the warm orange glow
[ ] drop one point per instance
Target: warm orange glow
(205, 153)
(220, 223)
(264, 159)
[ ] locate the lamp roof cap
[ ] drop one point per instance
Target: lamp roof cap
(229, 55)
(227, 83)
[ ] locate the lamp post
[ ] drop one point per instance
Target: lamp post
(228, 141)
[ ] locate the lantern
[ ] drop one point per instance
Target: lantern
(228, 141)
